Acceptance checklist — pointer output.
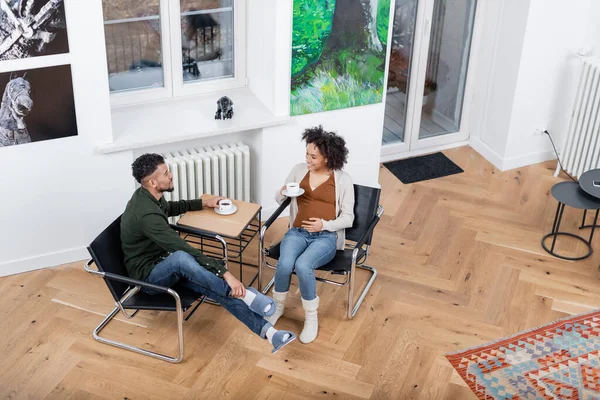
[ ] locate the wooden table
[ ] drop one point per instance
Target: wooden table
(240, 228)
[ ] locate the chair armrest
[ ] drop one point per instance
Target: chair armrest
(193, 231)
(272, 219)
(369, 231)
(125, 279)
(277, 213)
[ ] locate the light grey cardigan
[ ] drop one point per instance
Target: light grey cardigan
(344, 202)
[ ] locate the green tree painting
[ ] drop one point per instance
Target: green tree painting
(338, 54)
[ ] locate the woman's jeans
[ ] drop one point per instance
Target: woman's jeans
(303, 252)
(181, 267)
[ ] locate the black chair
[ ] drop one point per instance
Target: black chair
(108, 256)
(367, 212)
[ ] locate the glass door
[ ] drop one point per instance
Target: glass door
(399, 73)
(427, 78)
(444, 77)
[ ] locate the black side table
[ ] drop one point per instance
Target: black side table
(571, 194)
(586, 182)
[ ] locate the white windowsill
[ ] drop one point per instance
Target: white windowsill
(184, 119)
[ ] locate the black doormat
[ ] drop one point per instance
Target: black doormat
(422, 168)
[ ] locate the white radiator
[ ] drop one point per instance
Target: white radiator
(222, 170)
(582, 147)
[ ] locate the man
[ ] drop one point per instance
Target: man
(155, 253)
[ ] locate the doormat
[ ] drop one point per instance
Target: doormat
(423, 168)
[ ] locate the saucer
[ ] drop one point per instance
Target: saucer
(300, 193)
(232, 211)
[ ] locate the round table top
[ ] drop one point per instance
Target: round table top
(586, 182)
(571, 194)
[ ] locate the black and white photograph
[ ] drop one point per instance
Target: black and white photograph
(37, 105)
(32, 28)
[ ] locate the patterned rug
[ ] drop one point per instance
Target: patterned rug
(557, 361)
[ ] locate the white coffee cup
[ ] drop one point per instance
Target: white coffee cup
(225, 205)
(292, 188)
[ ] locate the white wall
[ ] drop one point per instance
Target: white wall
(57, 195)
(528, 70)
(548, 74)
(269, 52)
(497, 72)
(592, 40)
(259, 48)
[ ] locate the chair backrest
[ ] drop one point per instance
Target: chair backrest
(366, 201)
(108, 255)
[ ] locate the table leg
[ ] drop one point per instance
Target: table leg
(594, 227)
(555, 218)
(241, 261)
(260, 253)
(583, 219)
(557, 224)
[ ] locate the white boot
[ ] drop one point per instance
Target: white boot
(311, 323)
(279, 298)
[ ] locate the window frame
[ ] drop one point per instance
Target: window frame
(174, 87)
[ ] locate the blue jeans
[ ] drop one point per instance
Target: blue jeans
(303, 252)
(181, 267)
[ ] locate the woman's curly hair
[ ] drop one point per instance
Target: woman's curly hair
(332, 146)
(145, 165)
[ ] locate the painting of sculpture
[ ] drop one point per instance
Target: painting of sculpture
(37, 105)
(338, 54)
(31, 28)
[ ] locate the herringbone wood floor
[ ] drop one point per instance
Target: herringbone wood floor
(460, 264)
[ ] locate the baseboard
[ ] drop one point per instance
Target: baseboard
(504, 164)
(43, 261)
(528, 159)
(487, 153)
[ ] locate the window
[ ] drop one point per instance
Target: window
(207, 40)
(142, 38)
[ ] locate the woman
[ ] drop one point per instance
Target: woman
(318, 219)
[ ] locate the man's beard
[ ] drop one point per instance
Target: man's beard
(170, 189)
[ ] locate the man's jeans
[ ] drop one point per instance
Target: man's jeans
(183, 268)
(303, 252)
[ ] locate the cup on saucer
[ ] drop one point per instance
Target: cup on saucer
(292, 188)
(225, 206)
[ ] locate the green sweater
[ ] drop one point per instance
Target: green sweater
(147, 237)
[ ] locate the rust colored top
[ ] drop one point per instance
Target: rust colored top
(318, 203)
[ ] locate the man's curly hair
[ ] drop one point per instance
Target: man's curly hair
(332, 146)
(145, 165)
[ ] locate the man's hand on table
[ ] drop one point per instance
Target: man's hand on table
(212, 202)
